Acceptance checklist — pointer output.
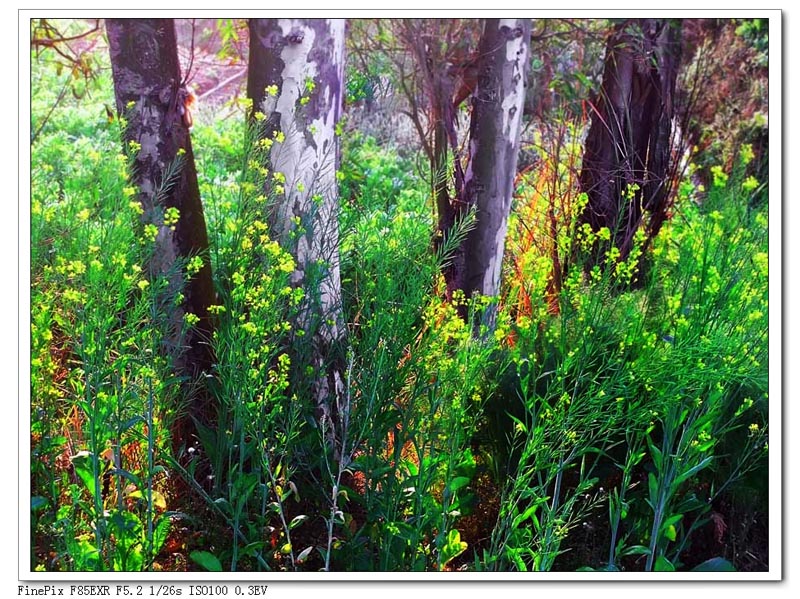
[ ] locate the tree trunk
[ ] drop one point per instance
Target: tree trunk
(627, 163)
(495, 127)
(150, 96)
(304, 60)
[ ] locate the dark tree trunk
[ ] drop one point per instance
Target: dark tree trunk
(150, 96)
(495, 127)
(627, 164)
(304, 60)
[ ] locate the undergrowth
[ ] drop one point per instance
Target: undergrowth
(629, 398)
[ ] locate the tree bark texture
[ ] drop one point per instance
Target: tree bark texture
(494, 141)
(150, 96)
(304, 60)
(627, 163)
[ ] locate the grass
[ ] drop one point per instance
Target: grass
(639, 410)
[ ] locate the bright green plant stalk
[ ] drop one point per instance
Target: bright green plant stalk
(617, 499)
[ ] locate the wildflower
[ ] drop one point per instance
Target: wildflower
(171, 217)
(194, 265)
(750, 183)
(720, 177)
(746, 154)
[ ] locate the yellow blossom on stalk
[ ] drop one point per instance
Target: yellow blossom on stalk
(191, 319)
(150, 232)
(750, 183)
(76, 267)
(84, 214)
(720, 176)
(134, 146)
(143, 284)
(119, 259)
(746, 154)
(194, 265)
(73, 295)
(171, 217)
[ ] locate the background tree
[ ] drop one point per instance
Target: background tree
(451, 68)
(627, 166)
(495, 126)
(295, 77)
(151, 96)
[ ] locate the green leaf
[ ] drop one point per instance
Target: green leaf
(655, 452)
(304, 554)
(160, 534)
(207, 560)
(671, 533)
(159, 501)
(452, 548)
(457, 483)
(83, 464)
(524, 516)
(663, 565)
(38, 503)
(715, 564)
(692, 471)
(668, 527)
(652, 482)
(635, 550)
(297, 521)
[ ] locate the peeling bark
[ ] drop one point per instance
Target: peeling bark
(495, 127)
(304, 60)
(627, 162)
(149, 95)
